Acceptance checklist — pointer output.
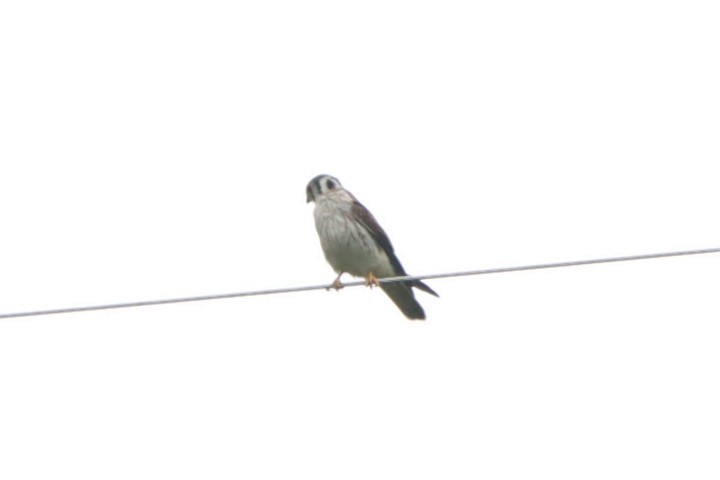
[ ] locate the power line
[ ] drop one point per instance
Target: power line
(277, 291)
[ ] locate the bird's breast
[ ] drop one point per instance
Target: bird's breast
(347, 245)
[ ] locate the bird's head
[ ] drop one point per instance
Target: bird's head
(321, 185)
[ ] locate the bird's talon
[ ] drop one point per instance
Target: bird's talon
(337, 284)
(371, 280)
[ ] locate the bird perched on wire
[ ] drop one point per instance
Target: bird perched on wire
(354, 243)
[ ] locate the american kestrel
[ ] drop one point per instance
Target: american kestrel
(354, 243)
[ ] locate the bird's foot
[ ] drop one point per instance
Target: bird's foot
(337, 284)
(371, 280)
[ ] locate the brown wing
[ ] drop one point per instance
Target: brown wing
(367, 220)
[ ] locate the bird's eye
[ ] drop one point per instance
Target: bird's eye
(330, 184)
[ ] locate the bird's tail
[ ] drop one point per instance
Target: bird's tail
(402, 295)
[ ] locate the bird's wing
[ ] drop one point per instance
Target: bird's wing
(367, 220)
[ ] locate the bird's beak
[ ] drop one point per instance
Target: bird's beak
(309, 197)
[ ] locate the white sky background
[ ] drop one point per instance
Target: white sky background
(158, 149)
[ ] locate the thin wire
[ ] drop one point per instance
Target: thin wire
(277, 291)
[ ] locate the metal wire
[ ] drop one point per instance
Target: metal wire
(276, 291)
